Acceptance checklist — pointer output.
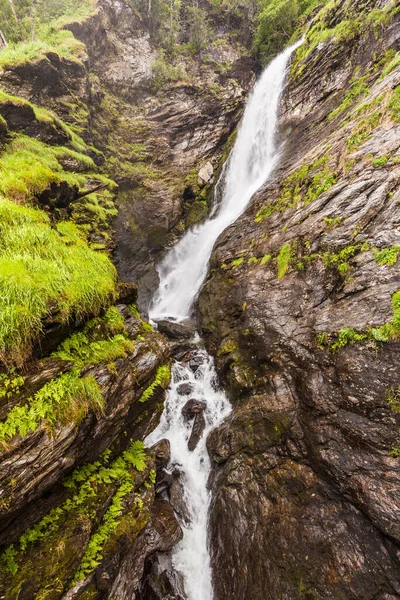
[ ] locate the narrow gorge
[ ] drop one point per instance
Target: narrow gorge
(199, 300)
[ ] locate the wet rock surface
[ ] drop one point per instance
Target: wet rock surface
(306, 469)
(176, 330)
(199, 424)
(192, 408)
(161, 581)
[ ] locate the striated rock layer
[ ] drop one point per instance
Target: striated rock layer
(302, 308)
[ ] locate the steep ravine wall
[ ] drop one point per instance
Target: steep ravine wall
(301, 308)
(83, 382)
(158, 137)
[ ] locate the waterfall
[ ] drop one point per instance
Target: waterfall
(182, 273)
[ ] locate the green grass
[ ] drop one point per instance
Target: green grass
(61, 42)
(304, 185)
(63, 400)
(395, 62)
(283, 260)
(46, 116)
(45, 271)
(358, 88)
(394, 105)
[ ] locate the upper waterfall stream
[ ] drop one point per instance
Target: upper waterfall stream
(182, 273)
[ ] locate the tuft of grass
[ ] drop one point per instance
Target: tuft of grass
(395, 62)
(44, 272)
(60, 41)
(357, 88)
(387, 256)
(394, 105)
(283, 260)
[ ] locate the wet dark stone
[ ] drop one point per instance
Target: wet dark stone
(184, 389)
(176, 330)
(162, 450)
(195, 362)
(161, 581)
(197, 431)
(192, 408)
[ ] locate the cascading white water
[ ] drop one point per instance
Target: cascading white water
(254, 155)
(182, 273)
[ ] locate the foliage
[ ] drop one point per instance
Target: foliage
(305, 185)
(394, 105)
(162, 379)
(395, 62)
(358, 88)
(384, 333)
(10, 385)
(393, 398)
(26, 20)
(68, 397)
(63, 42)
(283, 260)
(237, 262)
(93, 553)
(265, 259)
(82, 351)
(380, 162)
(387, 256)
(43, 272)
(276, 23)
(198, 27)
(363, 129)
(84, 484)
(164, 71)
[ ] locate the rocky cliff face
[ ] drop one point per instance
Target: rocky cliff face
(83, 382)
(163, 135)
(301, 308)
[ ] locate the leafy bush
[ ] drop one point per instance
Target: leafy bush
(164, 71)
(277, 21)
(23, 20)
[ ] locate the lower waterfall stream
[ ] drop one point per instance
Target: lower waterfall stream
(182, 273)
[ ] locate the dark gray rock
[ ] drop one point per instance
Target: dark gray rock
(176, 330)
(192, 408)
(199, 424)
(185, 388)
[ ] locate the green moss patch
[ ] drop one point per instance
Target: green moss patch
(384, 333)
(283, 260)
(304, 186)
